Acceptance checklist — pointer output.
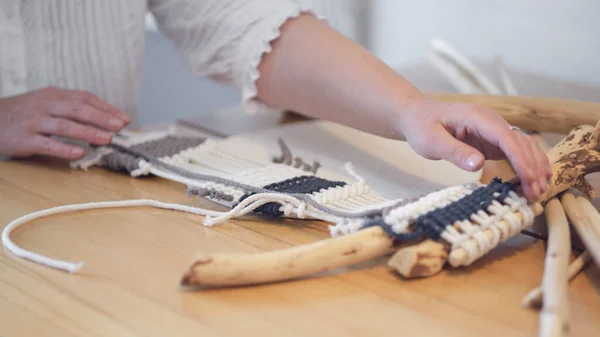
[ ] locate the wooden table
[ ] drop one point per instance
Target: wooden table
(134, 259)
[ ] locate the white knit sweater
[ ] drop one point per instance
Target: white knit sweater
(97, 45)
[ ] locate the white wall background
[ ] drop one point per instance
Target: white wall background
(557, 38)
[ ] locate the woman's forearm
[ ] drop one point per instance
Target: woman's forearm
(318, 72)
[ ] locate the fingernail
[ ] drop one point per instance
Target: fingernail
(473, 161)
(543, 185)
(77, 151)
(103, 137)
(116, 123)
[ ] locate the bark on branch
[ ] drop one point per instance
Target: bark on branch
(296, 262)
(539, 114)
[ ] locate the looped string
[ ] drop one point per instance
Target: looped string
(73, 267)
(211, 218)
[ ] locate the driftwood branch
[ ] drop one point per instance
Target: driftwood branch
(431, 256)
(585, 218)
(296, 262)
(571, 160)
(554, 318)
(534, 299)
(539, 114)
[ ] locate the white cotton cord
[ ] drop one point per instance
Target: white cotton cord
(248, 161)
(339, 193)
(345, 227)
(290, 204)
(142, 170)
(74, 267)
(269, 174)
(350, 170)
(473, 240)
(236, 193)
(91, 158)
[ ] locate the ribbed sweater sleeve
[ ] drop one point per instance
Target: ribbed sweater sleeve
(226, 39)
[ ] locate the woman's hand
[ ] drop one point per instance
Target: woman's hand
(466, 135)
(28, 121)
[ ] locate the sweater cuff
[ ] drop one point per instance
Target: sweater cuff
(255, 45)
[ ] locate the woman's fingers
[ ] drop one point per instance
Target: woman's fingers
(66, 128)
(444, 146)
(537, 162)
(542, 162)
(87, 98)
(87, 114)
(47, 146)
(522, 158)
(516, 147)
(31, 119)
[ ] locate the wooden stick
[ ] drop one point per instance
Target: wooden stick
(534, 298)
(572, 159)
(247, 269)
(585, 219)
(431, 256)
(539, 114)
(554, 318)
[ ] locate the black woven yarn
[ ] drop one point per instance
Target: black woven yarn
(432, 224)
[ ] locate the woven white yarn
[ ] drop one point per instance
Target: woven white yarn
(472, 238)
(400, 217)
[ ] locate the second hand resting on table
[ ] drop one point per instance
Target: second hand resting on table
(314, 70)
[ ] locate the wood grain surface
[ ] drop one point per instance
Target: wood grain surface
(134, 259)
